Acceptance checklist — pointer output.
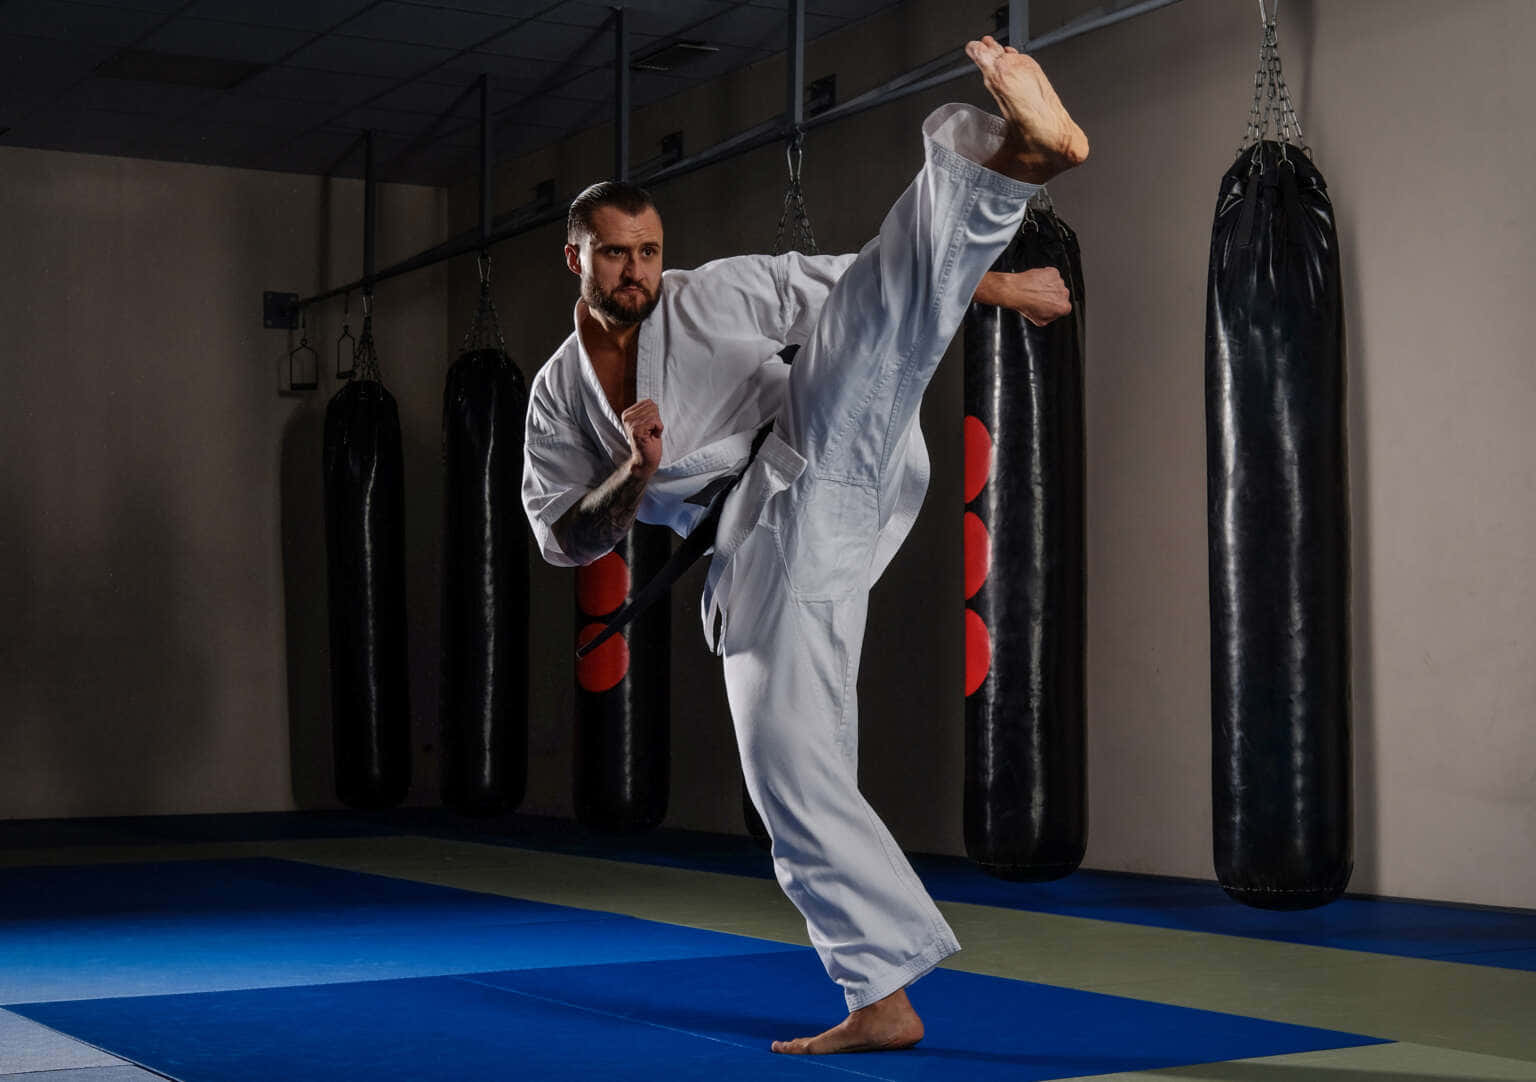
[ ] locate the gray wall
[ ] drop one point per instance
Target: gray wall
(161, 543)
(1416, 115)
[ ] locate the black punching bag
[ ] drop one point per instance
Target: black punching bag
(1278, 520)
(623, 723)
(365, 561)
(485, 586)
(1026, 813)
(1278, 515)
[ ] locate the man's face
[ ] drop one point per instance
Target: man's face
(620, 264)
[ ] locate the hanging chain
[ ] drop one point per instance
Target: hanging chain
(1039, 203)
(367, 358)
(794, 202)
(485, 327)
(1271, 96)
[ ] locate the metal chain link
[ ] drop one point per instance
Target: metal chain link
(485, 326)
(794, 202)
(1271, 96)
(367, 358)
(1041, 203)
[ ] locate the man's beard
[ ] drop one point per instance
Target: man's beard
(619, 307)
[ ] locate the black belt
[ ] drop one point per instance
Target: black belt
(694, 546)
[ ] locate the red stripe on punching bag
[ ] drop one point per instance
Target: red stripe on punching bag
(978, 458)
(604, 667)
(978, 553)
(978, 652)
(602, 585)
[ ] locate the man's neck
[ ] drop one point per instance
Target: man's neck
(600, 332)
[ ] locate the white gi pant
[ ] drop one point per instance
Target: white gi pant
(799, 580)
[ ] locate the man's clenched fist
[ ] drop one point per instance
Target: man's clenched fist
(642, 424)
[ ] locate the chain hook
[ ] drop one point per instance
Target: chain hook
(794, 154)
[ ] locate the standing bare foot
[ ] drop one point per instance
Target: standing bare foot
(883, 1026)
(1042, 139)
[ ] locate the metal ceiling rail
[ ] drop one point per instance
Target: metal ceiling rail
(943, 69)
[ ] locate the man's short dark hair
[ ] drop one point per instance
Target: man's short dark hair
(629, 198)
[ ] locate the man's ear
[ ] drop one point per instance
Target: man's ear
(573, 259)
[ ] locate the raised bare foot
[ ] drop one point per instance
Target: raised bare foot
(1042, 139)
(884, 1026)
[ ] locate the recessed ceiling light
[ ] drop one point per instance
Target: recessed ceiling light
(670, 57)
(144, 66)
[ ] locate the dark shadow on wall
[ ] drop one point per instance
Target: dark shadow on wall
(301, 496)
(1366, 730)
(307, 638)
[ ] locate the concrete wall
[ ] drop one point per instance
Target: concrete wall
(161, 541)
(1415, 113)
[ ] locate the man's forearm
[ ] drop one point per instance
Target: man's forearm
(603, 516)
(993, 289)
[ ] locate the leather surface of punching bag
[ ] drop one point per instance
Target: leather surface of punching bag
(485, 586)
(623, 721)
(1026, 815)
(365, 559)
(1278, 517)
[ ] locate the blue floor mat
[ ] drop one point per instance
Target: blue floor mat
(195, 926)
(1471, 935)
(681, 1019)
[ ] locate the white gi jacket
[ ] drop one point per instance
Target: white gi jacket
(708, 357)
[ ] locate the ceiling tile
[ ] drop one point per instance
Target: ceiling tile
(365, 56)
(433, 98)
(593, 85)
(80, 22)
(314, 152)
(246, 142)
(511, 9)
(758, 28)
(384, 120)
(92, 125)
(227, 41)
(558, 41)
(37, 70)
(295, 14)
(848, 9)
(429, 26)
(129, 96)
(668, 19)
(249, 110)
(317, 87)
(561, 113)
(507, 73)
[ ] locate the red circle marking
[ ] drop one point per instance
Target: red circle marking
(603, 585)
(978, 457)
(978, 553)
(604, 667)
(978, 652)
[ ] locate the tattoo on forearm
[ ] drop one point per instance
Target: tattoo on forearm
(602, 518)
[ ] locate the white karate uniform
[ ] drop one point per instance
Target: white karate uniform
(815, 519)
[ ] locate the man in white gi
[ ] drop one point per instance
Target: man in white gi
(828, 497)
